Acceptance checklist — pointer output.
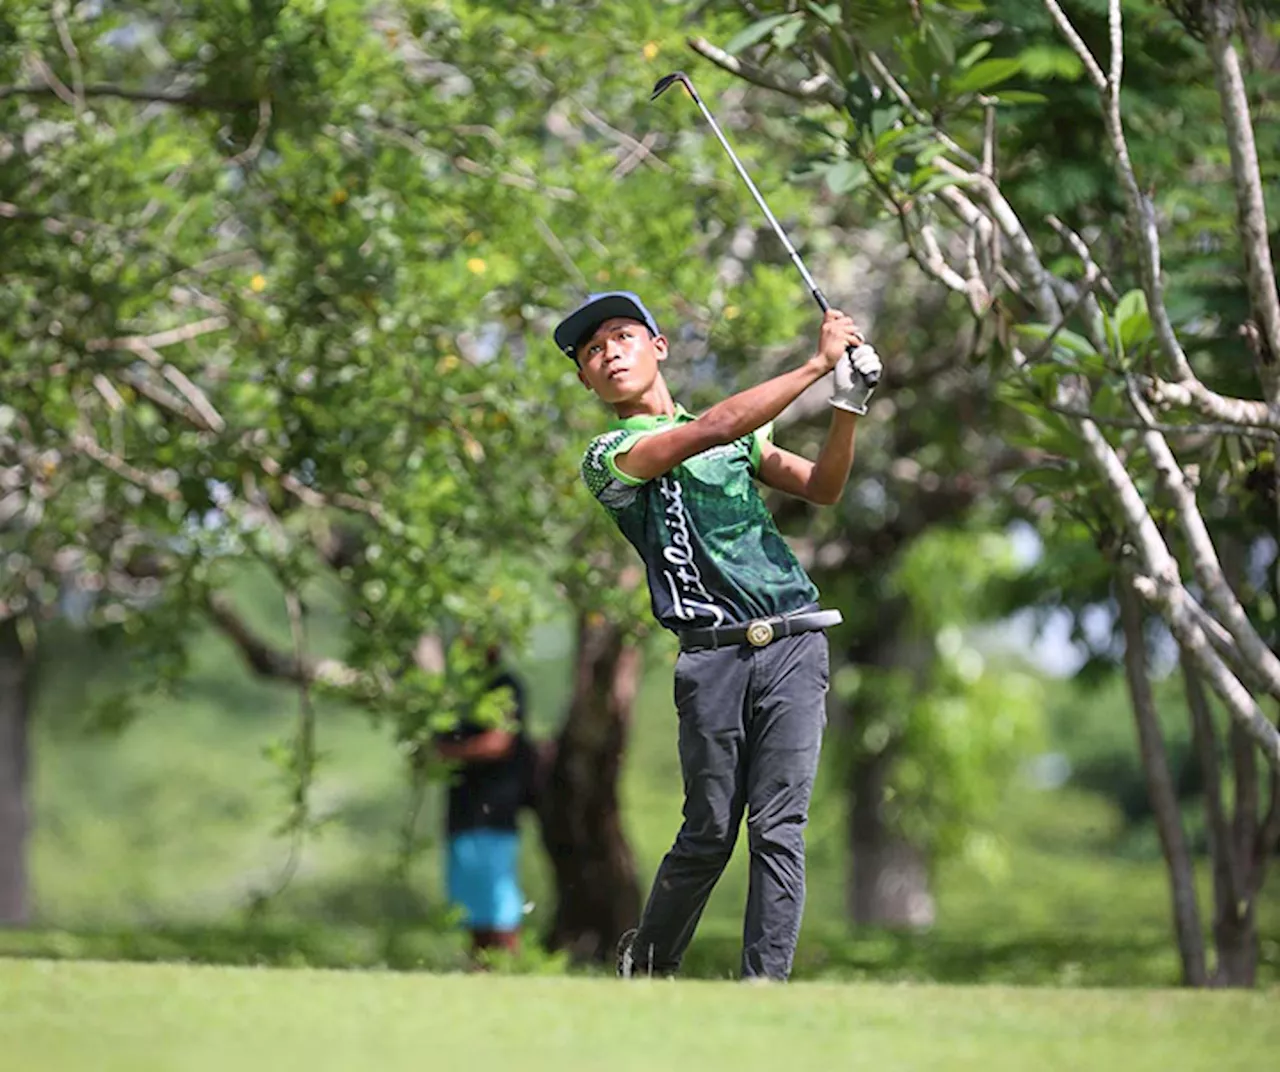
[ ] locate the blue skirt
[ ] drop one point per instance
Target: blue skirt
(483, 879)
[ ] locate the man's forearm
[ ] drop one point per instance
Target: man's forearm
(835, 460)
(743, 413)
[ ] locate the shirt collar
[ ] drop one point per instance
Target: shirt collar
(645, 421)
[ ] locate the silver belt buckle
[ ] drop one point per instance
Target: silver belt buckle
(759, 633)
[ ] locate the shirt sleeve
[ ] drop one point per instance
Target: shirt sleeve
(761, 436)
(615, 489)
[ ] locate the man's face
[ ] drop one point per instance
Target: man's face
(619, 362)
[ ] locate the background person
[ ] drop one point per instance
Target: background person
(487, 789)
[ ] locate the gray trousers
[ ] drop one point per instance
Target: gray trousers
(751, 722)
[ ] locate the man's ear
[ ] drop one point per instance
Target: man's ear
(660, 345)
(583, 380)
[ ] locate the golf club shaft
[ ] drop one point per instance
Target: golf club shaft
(818, 296)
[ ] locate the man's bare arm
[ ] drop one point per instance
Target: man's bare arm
(742, 413)
(487, 747)
(821, 482)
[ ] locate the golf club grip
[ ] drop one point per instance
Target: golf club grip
(871, 378)
(824, 305)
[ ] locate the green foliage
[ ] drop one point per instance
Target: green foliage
(361, 227)
(957, 722)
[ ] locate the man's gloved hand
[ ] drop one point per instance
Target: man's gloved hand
(852, 390)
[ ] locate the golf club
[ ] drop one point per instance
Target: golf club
(679, 76)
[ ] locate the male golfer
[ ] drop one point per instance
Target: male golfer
(751, 678)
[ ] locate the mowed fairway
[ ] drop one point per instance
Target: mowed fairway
(62, 1016)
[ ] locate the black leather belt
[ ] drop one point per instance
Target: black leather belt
(758, 633)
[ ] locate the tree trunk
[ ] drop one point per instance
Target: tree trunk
(1235, 925)
(1161, 791)
(597, 895)
(15, 700)
(1235, 935)
(889, 885)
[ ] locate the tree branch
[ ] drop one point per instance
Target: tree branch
(1162, 587)
(1240, 705)
(73, 54)
(142, 96)
(269, 661)
(817, 88)
(145, 346)
(895, 87)
(1038, 291)
(1204, 557)
(1081, 249)
(1091, 65)
(1226, 871)
(1247, 176)
(155, 485)
(1160, 786)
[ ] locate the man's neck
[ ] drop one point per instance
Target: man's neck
(655, 402)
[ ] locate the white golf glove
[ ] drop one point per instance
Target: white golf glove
(852, 388)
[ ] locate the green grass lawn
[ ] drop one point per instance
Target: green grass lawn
(63, 1017)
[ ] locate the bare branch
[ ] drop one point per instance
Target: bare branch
(1077, 44)
(523, 182)
(1116, 27)
(635, 148)
(1040, 292)
(1204, 557)
(142, 96)
(145, 347)
(165, 400)
(1247, 176)
(316, 498)
(932, 260)
(1199, 429)
(1194, 395)
(151, 483)
(269, 661)
(817, 88)
(160, 339)
(1081, 250)
(562, 255)
(904, 98)
(55, 85)
(73, 55)
(259, 139)
(1141, 212)
(1240, 705)
(1161, 585)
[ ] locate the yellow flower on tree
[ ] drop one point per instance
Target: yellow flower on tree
(476, 266)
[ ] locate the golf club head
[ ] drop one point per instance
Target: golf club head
(666, 83)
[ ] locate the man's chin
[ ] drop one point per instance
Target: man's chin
(617, 395)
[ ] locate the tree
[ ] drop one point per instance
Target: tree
(279, 286)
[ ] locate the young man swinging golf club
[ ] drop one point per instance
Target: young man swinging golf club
(751, 678)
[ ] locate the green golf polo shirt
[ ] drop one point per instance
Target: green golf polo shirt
(711, 550)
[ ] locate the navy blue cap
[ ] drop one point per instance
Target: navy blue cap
(577, 327)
